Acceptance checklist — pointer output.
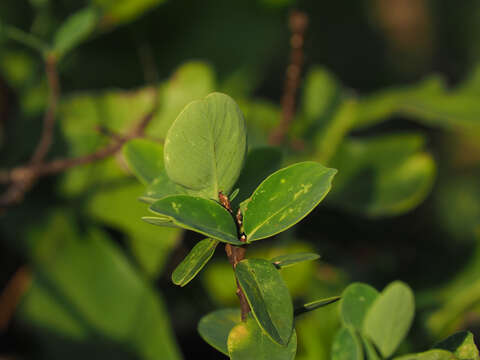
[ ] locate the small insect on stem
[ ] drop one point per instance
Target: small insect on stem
(225, 201)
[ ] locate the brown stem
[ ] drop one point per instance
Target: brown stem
(298, 23)
(236, 253)
(12, 294)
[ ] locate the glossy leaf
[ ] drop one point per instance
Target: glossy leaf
(461, 344)
(144, 158)
(196, 259)
(288, 260)
(356, 300)
(384, 175)
(215, 327)
(268, 297)
(347, 345)
(429, 355)
(206, 145)
(260, 163)
(316, 305)
(75, 30)
(197, 214)
(247, 341)
(389, 317)
(285, 198)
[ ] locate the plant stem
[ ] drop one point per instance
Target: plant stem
(236, 253)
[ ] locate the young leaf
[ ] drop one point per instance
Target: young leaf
(144, 158)
(288, 260)
(429, 355)
(159, 221)
(285, 198)
(206, 145)
(196, 259)
(197, 214)
(461, 345)
(260, 163)
(389, 317)
(75, 30)
(215, 327)
(316, 304)
(247, 341)
(268, 297)
(346, 345)
(356, 300)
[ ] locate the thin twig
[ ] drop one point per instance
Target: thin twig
(298, 23)
(12, 294)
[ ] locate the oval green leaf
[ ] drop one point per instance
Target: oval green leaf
(247, 341)
(429, 355)
(200, 215)
(215, 327)
(356, 300)
(288, 260)
(285, 198)
(159, 221)
(144, 158)
(206, 145)
(369, 350)
(316, 305)
(389, 317)
(461, 344)
(268, 297)
(346, 345)
(196, 259)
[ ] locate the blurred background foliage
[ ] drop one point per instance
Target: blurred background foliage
(390, 96)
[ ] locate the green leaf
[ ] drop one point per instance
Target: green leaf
(382, 176)
(123, 11)
(260, 163)
(159, 221)
(268, 297)
(201, 215)
(206, 145)
(285, 198)
(288, 260)
(22, 37)
(316, 305)
(215, 327)
(161, 187)
(75, 30)
(389, 317)
(144, 158)
(461, 344)
(429, 355)
(346, 345)
(247, 341)
(356, 300)
(196, 259)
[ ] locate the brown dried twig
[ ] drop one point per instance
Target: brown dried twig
(298, 23)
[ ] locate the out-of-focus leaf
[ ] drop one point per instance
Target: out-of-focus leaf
(385, 175)
(461, 345)
(123, 11)
(261, 118)
(285, 198)
(218, 279)
(260, 163)
(356, 300)
(316, 305)
(268, 297)
(74, 303)
(283, 261)
(247, 341)
(204, 216)
(159, 221)
(196, 259)
(429, 355)
(144, 158)
(22, 37)
(206, 145)
(347, 345)
(17, 67)
(75, 30)
(215, 327)
(389, 317)
(369, 350)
